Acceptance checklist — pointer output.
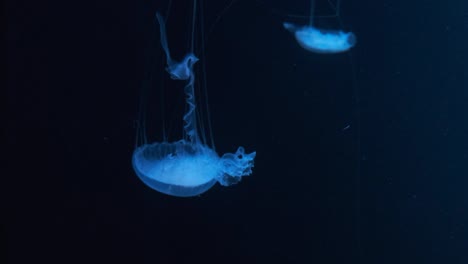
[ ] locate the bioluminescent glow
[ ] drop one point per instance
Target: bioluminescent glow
(321, 40)
(187, 167)
(177, 70)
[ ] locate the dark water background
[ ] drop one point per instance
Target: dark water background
(393, 192)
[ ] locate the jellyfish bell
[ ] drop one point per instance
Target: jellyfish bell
(320, 40)
(185, 169)
(189, 166)
(176, 168)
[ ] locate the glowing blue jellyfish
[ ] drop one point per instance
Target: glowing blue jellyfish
(187, 167)
(320, 40)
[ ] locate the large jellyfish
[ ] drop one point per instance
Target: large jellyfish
(187, 167)
(321, 40)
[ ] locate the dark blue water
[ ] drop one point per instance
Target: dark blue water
(362, 157)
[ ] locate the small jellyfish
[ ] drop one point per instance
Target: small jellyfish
(190, 166)
(321, 40)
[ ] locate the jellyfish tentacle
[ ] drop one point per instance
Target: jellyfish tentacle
(190, 119)
(178, 70)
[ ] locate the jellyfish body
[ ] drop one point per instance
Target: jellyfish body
(321, 41)
(187, 167)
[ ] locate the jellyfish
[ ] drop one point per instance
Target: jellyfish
(189, 166)
(319, 40)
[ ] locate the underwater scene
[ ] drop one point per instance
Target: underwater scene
(236, 131)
